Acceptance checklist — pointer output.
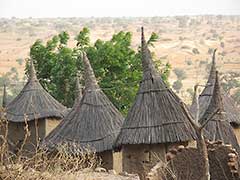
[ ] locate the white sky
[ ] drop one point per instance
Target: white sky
(115, 8)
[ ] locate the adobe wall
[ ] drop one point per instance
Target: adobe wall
(107, 159)
(51, 123)
(139, 159)
(16, 134)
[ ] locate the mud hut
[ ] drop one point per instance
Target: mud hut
(33, 107)
(204, 99)
(155, 122)
(218, 128)
(94, 123)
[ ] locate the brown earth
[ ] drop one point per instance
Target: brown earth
(178, 37)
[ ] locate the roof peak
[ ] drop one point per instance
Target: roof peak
(90, 79)
(147, 62)
(217, 96)
(212, 74)
(32, 72)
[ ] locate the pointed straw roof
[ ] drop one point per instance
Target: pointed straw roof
(78, 91)
(4, 98)
(157, 115)
(233, 113)
(33, 102)
(218, 128)
(94, 123)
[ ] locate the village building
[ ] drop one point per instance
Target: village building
(218, 127)
(204, 99)
(93, 123)
(35, 109)
(155, 123)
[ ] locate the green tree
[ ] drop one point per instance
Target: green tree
(116, 64)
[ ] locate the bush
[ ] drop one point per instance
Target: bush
(42, 164)
(195, 51)
(180, 73)
(177, 85)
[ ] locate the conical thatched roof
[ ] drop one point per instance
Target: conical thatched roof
(33, 102)
(157, 115)
(233, 113)
(4, 98)
(94, 123)
(218, 128)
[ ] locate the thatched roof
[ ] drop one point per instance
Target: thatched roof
(33, 102)
(233, 113)
(94, 123)
(157, 115)
(218, 128)
(78, 92)
(4, 98)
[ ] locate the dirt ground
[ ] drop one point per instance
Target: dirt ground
(179, 36)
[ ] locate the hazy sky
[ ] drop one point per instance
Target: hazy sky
(115, 8)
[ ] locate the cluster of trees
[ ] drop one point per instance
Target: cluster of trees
(231, 85)
(13, 82)
(116, 64)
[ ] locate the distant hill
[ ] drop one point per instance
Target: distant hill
(185, 41)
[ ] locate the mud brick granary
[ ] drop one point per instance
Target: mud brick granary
(156, 121)
(93, 123)
(204, 99)
(36, 107)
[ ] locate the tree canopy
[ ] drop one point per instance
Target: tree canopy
(116, 64)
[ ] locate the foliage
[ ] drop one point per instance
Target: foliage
(231, 85)
(195, 51)
(116, 64)
(177, 85)
(56, 66)
(230, 81)
(12, 82)
(153, 38)
(190, 92)
(181, 75)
